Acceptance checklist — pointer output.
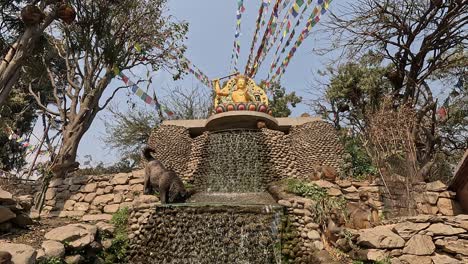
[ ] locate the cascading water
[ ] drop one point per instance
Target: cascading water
(235, 162)
(231, 220)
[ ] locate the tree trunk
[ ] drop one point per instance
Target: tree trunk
(13, 61)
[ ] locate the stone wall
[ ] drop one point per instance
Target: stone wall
(10, 184)
(240, 160)
(282, 155)
(93, 198)
(315, 144)
(420, 239)
(172, 145)
(97, 197)
(206, 234)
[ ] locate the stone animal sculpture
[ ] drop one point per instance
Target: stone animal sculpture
(157, 178)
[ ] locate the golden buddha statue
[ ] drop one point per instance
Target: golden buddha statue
(238, 90)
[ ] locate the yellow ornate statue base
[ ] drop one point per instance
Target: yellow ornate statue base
(240, 93)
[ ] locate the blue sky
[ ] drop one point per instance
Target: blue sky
(210, 41)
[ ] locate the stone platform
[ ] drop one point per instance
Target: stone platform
(240, 119)
(233, 198)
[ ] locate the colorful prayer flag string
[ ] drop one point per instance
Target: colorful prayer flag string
(276, 57)
(191, 68)
(152, 101)
(311, 22)
(266, 35)
(236, 49)
(260, 16)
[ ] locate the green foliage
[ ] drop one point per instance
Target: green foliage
(324, 206)
(124, 165)
(361, 163)
(120, 220)
(128, 131)
(16, 114)
(310, 191)
(280, 101)
(117, 252)
(53, 260)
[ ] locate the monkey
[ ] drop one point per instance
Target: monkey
(32, 15)
(157, 178)
(261, 124)
(5, 257)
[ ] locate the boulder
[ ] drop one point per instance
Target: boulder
(334, 192)
(431, 197)
(6, 214)
(455, 246)
(103, 199)
(20, 253)
(6, 197)
(420, 245)
(407, 229)
(81, 206)
(75, 259)
(380, 237)
(89, 197)
(444, 259)
(121, 178)
(413, 259)
(445, 230)
(436, 186)
(344, 183)
(68, 205)
(377, 255)
(53, 249)
(324, 184)
(447, 206)
(96, 217)
(105, 228)
(22, 220)
(111, 208)
(75, 235)
(89, 188)
(313, 235)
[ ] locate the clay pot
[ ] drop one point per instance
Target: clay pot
(66, 13)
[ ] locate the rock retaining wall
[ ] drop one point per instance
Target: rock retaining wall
(97, 197)
(288, 155)
(420, 239)
(207, 234)
(94, 198)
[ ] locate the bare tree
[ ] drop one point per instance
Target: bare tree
(416, 40)
(110, 36)
(194, 102)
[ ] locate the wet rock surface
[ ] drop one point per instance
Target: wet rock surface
(207, 234)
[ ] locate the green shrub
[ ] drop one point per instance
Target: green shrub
(53, 260)
(117, 252)
(120, 220)
(324, 206)
(361, 163)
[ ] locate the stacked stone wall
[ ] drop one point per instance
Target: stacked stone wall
(419, 239)
(269, 153)
(296, 154)
(315, 144)
(207, 234)
(93, 198)
(172, 145)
